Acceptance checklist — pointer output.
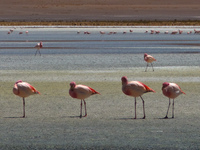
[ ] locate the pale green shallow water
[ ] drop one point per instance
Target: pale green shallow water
(52, 120)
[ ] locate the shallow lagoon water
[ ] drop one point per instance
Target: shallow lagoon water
(64, 49)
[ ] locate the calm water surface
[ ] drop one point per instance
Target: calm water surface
(63, 46)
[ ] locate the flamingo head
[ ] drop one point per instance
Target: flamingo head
(72, 85)
(165, 84)
(145, 54)
(40, 44)
(19, 81)
(124, 80)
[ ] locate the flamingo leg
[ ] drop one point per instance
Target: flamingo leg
(143, 108)
(152, 66)
(146, 67)
(135, 108)
(173, 109)
(23, 108)
(36, 52)
(85, 108)
(39, 52)
(81, 110)
(168, 109)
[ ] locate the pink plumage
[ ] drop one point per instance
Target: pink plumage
(135, 89)
(149, 59)
(81, 92)
(24, 89)
(171, 90)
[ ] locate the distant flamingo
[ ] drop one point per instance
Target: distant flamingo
(166, 32)
(149, 59)
(24, 89)
(180, 31)
(152, 31)
(20, 32)
(135, 89)
(81, 92)
(174, 32)
(38, 46)
(171, 90)
(102, 32)
(196, 31)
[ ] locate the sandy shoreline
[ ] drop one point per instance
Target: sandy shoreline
(91, 10)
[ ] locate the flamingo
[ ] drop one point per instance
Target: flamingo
(38, 46)
(174, 32)
(171, 90)
(24, 89)
(180, 31)
(135, 89)
(102, 32)
(149, 59)
(81, 92)
(196, 31)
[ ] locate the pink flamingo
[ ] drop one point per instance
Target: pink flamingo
(102, 32)
(24, 89)
(152, 31)
(38, 46)
(180, 31)
(196, 31)
(174, 32)
(135, 89)
(171, 90)
(81, 92)
(149, 59)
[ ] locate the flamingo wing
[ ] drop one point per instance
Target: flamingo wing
(33, 89)
(148, 89)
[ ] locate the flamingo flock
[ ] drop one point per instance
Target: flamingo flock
(130, 88)
(179, 31)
